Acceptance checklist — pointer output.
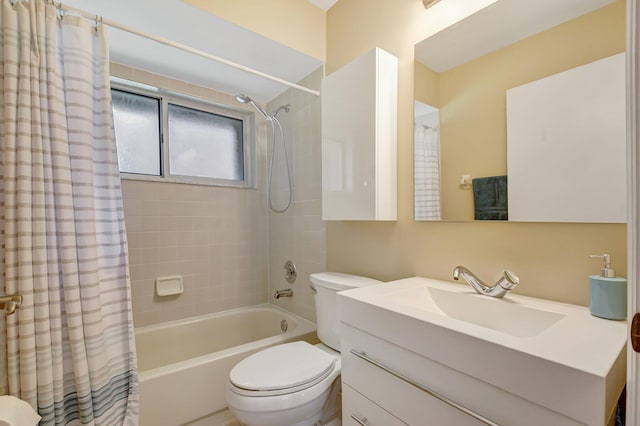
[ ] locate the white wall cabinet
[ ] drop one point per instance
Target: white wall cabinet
(359, 134)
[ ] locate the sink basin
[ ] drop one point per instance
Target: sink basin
(503, 315)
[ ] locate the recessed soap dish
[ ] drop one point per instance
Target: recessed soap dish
(169, 286)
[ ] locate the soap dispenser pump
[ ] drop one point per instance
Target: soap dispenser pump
(607, 293)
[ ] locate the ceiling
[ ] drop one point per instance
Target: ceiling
(323, 4)
(496, 26)
(177, 21)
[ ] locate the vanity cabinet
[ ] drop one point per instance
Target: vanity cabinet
(359, 133)
(412, 404)
(408, 355)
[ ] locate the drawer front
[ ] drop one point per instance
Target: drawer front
(415, 406)
(358, 410)
(408, 403)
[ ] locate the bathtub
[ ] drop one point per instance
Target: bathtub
(184, 365)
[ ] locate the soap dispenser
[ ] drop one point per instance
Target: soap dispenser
(607, 293)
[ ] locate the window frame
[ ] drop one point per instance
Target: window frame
(166, 97)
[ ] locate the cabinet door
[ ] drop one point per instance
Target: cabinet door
(358, 410)
(359, 138)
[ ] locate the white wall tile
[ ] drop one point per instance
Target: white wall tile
(299, 233)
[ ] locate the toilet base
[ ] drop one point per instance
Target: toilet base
(332, 409)
(325, 409)
(306, 415)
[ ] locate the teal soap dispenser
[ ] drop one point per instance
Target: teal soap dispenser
(607, 293)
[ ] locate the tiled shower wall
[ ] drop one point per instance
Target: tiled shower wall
(215, 237)
(299, 233)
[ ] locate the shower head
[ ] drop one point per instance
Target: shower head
(242, 98)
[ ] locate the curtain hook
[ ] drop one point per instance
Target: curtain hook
(59, 8)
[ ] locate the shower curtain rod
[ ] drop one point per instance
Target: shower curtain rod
(184, 47)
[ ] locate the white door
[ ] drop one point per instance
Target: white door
(633, 227)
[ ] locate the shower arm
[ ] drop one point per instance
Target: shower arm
(286, 108)
(242, 98)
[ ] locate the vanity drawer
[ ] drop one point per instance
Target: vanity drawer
(356, 407)
(415, 406)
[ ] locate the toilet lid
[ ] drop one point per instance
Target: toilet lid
(282, 367)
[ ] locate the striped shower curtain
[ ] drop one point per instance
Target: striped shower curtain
(426, 151)
(70, 347)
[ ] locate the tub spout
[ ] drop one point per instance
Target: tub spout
(287, 292)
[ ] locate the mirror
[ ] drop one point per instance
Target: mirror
(464, 73)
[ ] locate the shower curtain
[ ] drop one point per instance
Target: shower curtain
(70, 347)
(427, 172)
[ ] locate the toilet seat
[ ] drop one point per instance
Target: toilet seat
(281, 370)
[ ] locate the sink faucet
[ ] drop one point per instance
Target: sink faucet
(507, 282)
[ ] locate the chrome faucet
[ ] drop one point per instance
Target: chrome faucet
(507, 282)
(287, 292)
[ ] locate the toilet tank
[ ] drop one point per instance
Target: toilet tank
(325, 286)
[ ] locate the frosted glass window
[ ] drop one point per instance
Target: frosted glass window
(137, 124)
(204, 144)
(164, 136)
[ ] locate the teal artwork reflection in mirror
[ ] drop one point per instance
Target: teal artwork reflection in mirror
(490, 199)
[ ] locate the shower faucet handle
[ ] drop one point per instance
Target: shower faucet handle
(290, 273)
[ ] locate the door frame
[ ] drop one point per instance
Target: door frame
(633, 217)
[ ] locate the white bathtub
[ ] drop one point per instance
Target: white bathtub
(184, 365)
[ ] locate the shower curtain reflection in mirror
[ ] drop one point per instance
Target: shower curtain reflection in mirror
(426, 162)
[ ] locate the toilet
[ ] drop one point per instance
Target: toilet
(296, 384)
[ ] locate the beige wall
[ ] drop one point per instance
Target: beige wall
(472, 97)
(299, 233)
(426, 85)
(215, 237)
(294, 23)
(551, 259)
